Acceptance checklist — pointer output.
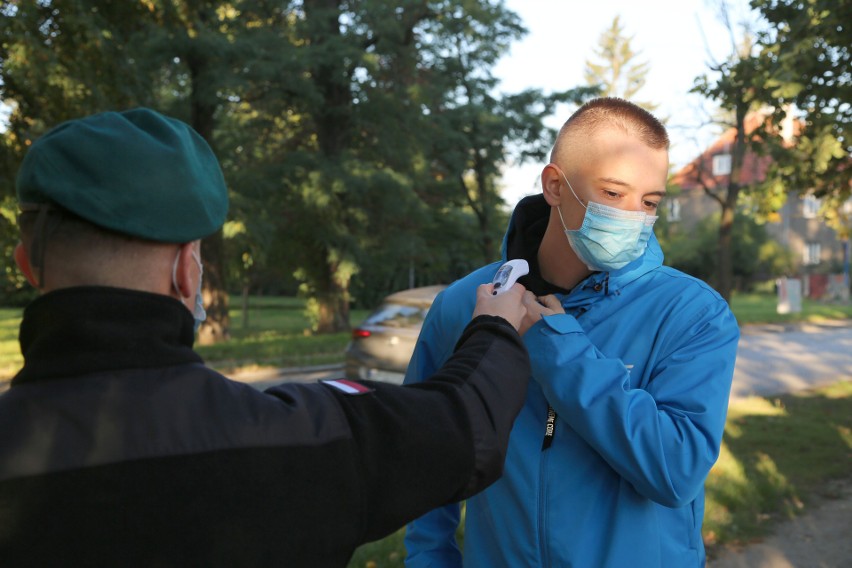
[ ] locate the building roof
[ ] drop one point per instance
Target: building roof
(753, 169)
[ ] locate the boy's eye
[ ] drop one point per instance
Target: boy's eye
(651, 204)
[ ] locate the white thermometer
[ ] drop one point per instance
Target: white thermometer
(508, 274)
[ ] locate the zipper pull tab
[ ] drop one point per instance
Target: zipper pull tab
(550, 428)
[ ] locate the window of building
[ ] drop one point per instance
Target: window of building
(673, 210)
(811, 254)
(721, 164)
(810, 206)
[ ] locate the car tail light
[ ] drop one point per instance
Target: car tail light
(359, 333)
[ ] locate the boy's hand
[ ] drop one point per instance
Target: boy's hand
(536, 308)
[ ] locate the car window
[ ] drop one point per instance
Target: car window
(397, 315)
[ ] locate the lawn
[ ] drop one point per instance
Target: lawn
(274, 333)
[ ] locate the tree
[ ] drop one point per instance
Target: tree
(738, 86)
(757, 257)
(617, 73)
(472, 129)
(800, 66)
(351, 134)
(807, 49)
(396, 130)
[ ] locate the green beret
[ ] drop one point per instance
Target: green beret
(136, 172)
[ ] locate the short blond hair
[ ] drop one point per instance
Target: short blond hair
(611, 112)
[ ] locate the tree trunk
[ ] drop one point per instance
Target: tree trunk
(725, 266)
(245, 306)
(333, 303)
(333, 123)
(217, 326)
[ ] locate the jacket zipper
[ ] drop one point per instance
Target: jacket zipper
(542, 510)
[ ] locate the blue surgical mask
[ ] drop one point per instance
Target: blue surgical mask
(609, 238)
(199, 314)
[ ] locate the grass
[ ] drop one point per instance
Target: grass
(761, 308)
(778, 454)
(274, 334)
(10, 351)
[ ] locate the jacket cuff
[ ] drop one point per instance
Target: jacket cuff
(494, 323)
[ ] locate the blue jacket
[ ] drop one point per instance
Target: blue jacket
(638, 372)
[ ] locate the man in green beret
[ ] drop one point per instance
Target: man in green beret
(119, 447)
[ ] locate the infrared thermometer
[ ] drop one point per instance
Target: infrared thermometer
(508, 274)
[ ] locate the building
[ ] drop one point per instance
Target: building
(818, 251)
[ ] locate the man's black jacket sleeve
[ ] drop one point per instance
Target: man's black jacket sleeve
(425, 445)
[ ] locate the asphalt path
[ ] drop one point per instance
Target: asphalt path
(774, 359)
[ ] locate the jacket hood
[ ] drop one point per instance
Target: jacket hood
(523, 236)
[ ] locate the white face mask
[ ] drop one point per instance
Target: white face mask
(199, 314)
(609, 238)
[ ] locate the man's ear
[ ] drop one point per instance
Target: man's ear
(22, 259)
(185, 272)
(551, 185)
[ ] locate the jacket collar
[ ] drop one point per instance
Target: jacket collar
(83, 330)
(523, 237)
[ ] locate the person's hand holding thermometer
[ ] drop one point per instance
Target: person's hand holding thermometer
(508, 274)
(493, 299)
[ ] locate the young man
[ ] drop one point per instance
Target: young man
(118, 447)
(632, 366)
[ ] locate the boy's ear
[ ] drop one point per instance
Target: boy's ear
(22, 259)
(551, 185)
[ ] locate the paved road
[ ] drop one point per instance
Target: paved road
(771, 359)
(774, 359)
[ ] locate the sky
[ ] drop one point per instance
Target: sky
(678, 38)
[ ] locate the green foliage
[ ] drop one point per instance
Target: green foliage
(351, 135)
(14, 289)
(805, 48)
(756, 256)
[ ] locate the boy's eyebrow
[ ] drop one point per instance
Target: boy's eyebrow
(616, 181)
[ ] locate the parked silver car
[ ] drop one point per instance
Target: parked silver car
(382, 346)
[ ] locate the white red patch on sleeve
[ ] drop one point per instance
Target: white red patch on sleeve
(348, 387)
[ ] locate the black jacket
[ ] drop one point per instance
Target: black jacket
(118, 447)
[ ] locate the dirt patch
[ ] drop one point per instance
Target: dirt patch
(819, 538)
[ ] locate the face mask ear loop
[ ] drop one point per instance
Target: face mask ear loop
(559, 210)
(572, 190)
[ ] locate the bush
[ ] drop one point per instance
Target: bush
(756, 257)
